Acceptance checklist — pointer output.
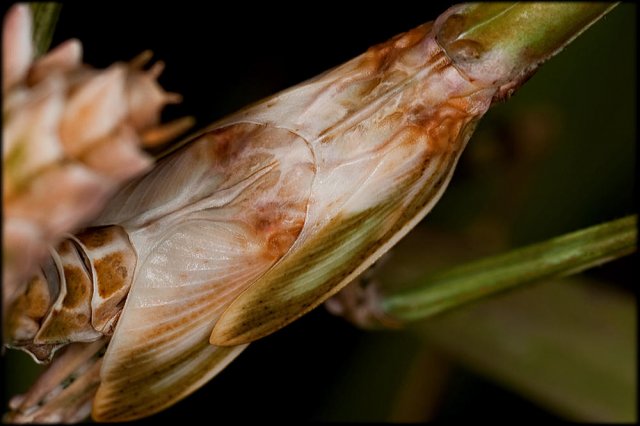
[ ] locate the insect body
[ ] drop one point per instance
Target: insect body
(260, 218)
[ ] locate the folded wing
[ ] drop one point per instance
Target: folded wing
(233, 224)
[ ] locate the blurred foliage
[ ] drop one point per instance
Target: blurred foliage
(568, 345)
(45, 16)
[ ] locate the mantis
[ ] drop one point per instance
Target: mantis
(262, 216)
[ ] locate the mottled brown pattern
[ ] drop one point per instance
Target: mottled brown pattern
(112, 274)
(26, 312)
(279, 228)
(97, 237)
(69, 319)
(260, 181)
(37, 297)
(279, 218)
(377, 59)
(225, 144)
(77, 286)
(64, 248)
(112, 261)
(57, 329)
(438, 128)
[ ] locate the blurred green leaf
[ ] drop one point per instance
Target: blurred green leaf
(45, 17)
(568, 344)
(559, 256)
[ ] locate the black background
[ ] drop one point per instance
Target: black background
(220, 59)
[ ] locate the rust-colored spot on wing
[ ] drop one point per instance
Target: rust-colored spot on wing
(280, 225)
(274, 206)
(382, 56)
(225, 145)
(411, 38)
(438, 127)
(278, 220)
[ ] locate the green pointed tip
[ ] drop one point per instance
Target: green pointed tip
(45, 17)
(503, 43)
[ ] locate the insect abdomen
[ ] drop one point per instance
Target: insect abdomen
(76, 296)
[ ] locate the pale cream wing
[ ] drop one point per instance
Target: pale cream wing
(160, 351)
(194, 259)
(402, 182)
(216, 162)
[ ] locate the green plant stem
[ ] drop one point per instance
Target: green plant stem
(558, 256)
(45, 16)
(534, 30)
(505, 42)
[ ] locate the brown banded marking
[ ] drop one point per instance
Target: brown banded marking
(76, 297)
(28, 310)
(112, 261)
(69, 319)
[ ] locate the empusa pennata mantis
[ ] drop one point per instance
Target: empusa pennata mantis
(284, 192)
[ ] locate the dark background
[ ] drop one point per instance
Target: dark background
(221, 59)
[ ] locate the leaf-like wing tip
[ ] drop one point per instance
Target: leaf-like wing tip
(241, 323)
(223, 339)
(225, 334)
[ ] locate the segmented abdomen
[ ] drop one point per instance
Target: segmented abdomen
(76, 296)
